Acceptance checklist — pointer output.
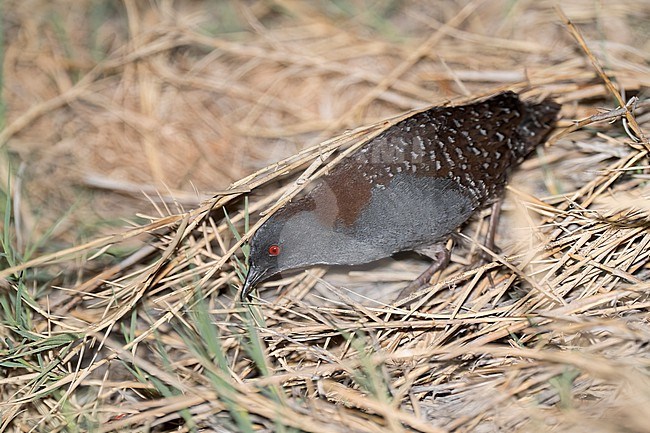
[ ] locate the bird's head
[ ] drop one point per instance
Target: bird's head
(265, 258)
(289, 240)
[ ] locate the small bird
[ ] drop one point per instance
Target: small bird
(408, 189)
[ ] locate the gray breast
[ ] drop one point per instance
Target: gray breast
(412, 211)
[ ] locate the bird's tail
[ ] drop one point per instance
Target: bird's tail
(539, 119)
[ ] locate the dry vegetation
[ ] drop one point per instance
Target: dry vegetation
(153, 113)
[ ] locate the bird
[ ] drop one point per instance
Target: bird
(408, 189)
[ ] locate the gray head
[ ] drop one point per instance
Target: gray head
(286, 241)
(268, 254)
(297, 237)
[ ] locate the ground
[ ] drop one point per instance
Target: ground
(141, 140)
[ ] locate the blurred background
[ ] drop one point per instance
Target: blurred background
(113, 108)
(115, 113)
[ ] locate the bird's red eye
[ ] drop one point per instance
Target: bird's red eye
(274, 250)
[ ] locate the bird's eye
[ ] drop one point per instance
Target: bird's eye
(274, 250)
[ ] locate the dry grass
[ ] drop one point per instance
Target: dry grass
(138, 328)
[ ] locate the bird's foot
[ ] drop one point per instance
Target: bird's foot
(440, 256)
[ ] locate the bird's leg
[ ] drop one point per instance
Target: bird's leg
(492, 229)
(489, 237)
(440, 256)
